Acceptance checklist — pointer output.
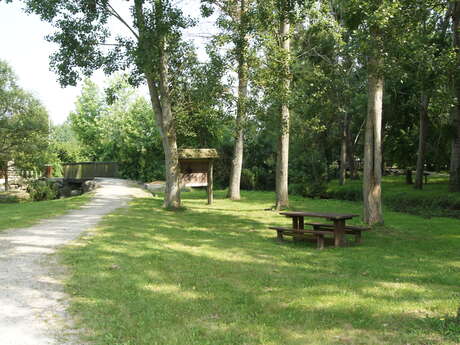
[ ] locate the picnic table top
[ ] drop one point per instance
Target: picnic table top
(330, 216)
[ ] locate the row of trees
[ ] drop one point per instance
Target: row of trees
(23, 126)
(117, 124)
(301, 67)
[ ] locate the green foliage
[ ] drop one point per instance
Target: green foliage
(23, 125)
(86, 120)
(248, 180)
(40, 190)
(201, 99)
(309, 175)
(331, 43)
(118, 126)
(64, 148)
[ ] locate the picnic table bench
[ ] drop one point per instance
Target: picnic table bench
(320, 231)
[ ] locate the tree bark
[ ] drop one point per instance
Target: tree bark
(165, 122)
(160, 96)
(423, 132)
(282, 159)
(372, 179)
(237, 162)
(343, 151)
(5, 173)
(409, 176)
(455, 156)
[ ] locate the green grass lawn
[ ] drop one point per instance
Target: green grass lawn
(215, 275)
(18, 215)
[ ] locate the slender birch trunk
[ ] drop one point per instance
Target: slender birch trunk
(423, 133)
(351, 156)
(372, 179)
(7, 185)
(343, 151)
(455, 157)
(237, 162)
(282, 159)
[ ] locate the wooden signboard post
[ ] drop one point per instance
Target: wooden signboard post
(197, 169)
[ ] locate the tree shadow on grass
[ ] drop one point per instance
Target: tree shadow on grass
(204, 277)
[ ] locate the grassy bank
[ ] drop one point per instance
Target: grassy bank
(215, 275)
(434, 200)
(24, 214)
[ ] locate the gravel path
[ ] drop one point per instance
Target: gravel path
(32, 301)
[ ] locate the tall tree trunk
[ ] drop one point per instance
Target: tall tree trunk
(160, 96)
(455, 157)
(372, 179)
(7, 186)
(423, 132)
(172, 168)
(237, 162)
(172, 191)
(343, 151)
(165, 122)
(282, 159)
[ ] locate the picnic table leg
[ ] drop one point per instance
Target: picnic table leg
(339, 233)
(320, 241)
(279, 235)
(295, 223)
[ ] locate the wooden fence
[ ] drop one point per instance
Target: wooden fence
(90, 170)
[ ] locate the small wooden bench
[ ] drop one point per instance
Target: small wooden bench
(349, 229)
(319, 232)
(318, 235)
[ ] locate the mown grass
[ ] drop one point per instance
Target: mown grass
(434, 200)
(215, 275)
(24, 214)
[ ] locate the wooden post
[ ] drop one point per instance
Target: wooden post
(48, 171)
(279, 235)
(339, 232)
(320, 241)
(295, 223)
(210, 182)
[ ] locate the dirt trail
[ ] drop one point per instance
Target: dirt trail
(32, 302)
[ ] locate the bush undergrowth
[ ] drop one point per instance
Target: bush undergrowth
(433, 200)
(40, 190)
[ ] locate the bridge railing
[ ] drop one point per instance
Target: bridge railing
(90, 170)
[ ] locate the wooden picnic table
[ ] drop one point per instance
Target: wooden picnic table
(338, 226)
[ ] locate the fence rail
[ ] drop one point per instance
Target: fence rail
(90, 170)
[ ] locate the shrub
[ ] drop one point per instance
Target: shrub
(434, 200)
(312, 188)
(351, 192)
(40, 190)
(264, 178)
(6, 198)
(248, 179)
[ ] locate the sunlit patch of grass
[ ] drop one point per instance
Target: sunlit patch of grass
(215, 275)
(28, 213)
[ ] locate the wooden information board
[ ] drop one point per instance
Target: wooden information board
(197, 169)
